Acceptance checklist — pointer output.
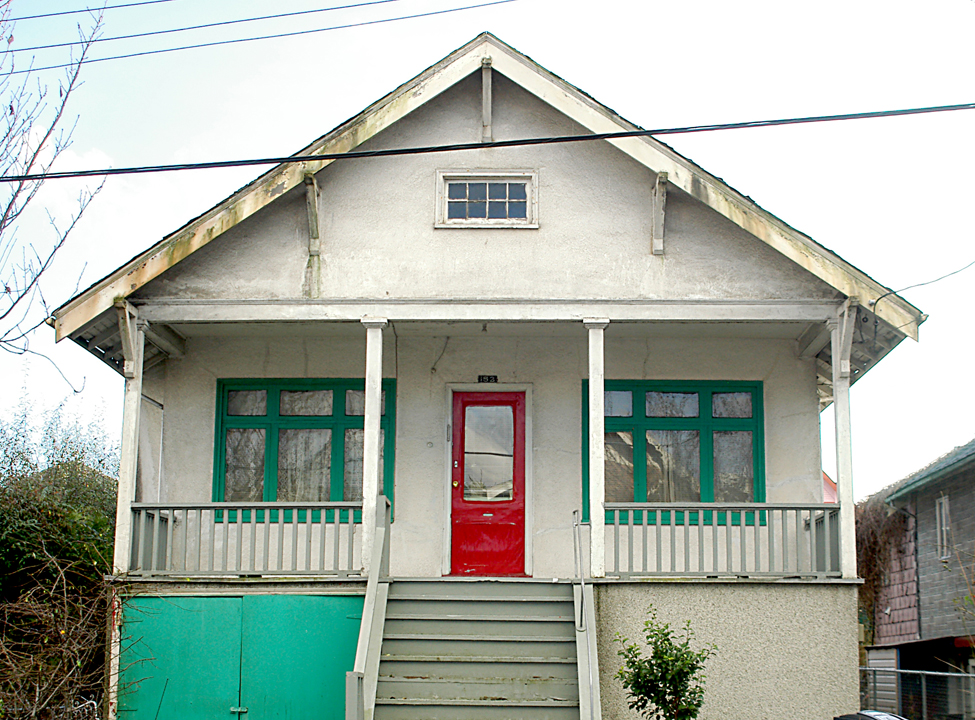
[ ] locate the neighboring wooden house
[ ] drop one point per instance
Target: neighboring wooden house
(925, 608)
(491, 340)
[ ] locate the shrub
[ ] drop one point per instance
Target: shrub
(667, 684)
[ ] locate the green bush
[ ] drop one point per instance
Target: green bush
(667, 684)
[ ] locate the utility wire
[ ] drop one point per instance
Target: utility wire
(876, 302)
(86, 10)
(268, 37)
(202, 27)
(425, 150)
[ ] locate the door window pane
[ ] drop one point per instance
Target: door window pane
(618, 451)
(489, 450)
(244, 481)
(618, 403)
(673, 466)
(247, 402)
(306, 402)
(304, 464)
(355, 403)
(354, 444)
(733, 467)
(672, 405)
(731, 405)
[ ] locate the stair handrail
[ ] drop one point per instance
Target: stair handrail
(355, 695)
(581, 624)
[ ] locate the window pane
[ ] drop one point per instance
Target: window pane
(733, 467)
(618, 465)
(517, 210)
(489, 451)
(497, 191)
(304, 464)
(354, 439)
(355, 403)
(497, 210)
(244, 481)
(517, 191)
(477, 191)
(673, 466)
(731, 405)
(618, 403)
(247, 402)
(457, 191)
(456, 210)
(477, 209)
(672, 404)
(306, 402)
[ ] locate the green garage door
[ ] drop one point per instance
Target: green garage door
(282, 656)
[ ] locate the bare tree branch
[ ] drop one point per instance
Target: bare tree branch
(35, 131)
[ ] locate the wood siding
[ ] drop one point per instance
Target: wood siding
(897, 619)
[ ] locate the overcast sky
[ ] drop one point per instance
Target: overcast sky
(893, 196)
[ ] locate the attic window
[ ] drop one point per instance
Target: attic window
(486, 199)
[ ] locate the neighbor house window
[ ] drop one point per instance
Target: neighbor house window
(487, 199)
(296, 440)
(680, 442)
(943, 527)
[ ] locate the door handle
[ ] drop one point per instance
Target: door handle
(238, 710)
(456, 484)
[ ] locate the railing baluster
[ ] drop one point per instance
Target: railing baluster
(142, 540)
(645, 516)
(212, 525)
(267, 540)
(253, 541)
(226, 538)
(687, 540)
(629, 542)
(770, 532)
(280, 524)
(714, 542)
(309, 516)
(323, 525)
(729, 543)
(658, 521)
(700, 541)
(186, 537)
(742, 524)
(799, 541)
(616, 541)
(351, 534)
(294, 540)
(240, 540)
(757, 524)
(170, 523)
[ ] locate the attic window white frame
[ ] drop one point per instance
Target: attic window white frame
(942, 521)
(529, 177)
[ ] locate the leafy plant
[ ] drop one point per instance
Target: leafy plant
(667, 684)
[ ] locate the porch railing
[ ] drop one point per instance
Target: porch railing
(225, 538)
(723, 539)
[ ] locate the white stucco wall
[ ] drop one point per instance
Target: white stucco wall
(553, 362)
(785, 650)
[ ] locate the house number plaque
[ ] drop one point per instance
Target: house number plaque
(487, 378)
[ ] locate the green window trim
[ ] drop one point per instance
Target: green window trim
(639, 423)
(273, 421)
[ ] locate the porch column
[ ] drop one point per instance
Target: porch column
(133, 337)
(597, 468)
(841, 335)
(371, 471)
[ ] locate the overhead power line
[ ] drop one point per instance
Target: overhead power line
(425, 150)
(86, 10)
(268, 37)
(150, 33)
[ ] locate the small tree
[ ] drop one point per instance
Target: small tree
(667, 684)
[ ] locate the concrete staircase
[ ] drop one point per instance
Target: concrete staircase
(491, 650)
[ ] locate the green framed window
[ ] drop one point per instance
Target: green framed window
(296, 440)
(679, 441)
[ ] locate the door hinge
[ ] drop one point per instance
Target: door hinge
(238, 710)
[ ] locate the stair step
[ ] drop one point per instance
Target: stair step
(480, 588)
(476, 712)
(478, 638)
(494, 628)
(479, 703)
(475, 688)
(441, 607)
(490, 647)
(467, 667)
(478, 658)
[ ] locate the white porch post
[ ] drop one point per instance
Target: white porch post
(133, 348)
(597, 469)
(371, 471)
(841, 334)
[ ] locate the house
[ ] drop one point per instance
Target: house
(924, 619)
(372, 402)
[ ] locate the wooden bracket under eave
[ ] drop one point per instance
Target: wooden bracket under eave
(659, 207)
(127, 318)
(314, 268)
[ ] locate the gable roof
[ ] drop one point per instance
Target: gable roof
(948, 464)
(84, 311)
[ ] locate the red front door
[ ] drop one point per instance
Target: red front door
(488, 484)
